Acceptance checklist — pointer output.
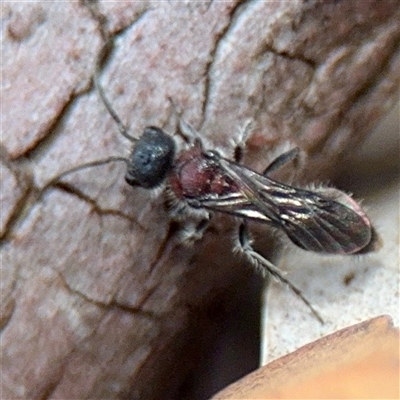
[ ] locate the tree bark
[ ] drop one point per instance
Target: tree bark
(100, 299)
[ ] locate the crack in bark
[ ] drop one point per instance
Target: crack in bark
(352, 101)
(42, 145)
(235, 15)
(376, 77)
(220, 39)
(52, 386)
(70, 189)
(47, 391)
(8, 309)
(138, 18)
(24, 183)
(24, 209)
(161, 250)
(137, 310)
(172, 229)
(108, 306)
(101, 19)
(92, 7)
(269, 48)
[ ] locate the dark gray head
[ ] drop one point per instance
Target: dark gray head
(151, 159)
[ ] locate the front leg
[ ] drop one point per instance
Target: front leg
(192, 222)
(265, 266)
(193, 231)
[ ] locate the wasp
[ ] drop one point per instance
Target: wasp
(200, 181)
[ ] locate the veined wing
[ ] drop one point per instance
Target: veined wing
(325, 220)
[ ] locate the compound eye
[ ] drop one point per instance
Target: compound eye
(151, 159)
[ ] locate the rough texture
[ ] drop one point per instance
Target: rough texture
(99, 298)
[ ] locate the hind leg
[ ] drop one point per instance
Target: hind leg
(244, 242)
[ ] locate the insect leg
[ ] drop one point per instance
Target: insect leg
(188, 132)
(258, 260)
(192, 232)
(281, 160)
(239, 146)
(192, 223)
(183, 128)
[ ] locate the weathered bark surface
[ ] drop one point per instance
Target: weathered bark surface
(98, 294)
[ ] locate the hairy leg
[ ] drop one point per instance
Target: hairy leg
(261, 263)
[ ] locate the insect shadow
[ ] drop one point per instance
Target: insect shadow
(200, 182)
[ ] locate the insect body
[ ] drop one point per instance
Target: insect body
(327, 221)
(323, 220)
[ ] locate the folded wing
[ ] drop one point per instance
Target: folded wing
(324, 220)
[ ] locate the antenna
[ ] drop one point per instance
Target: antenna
(84, 166)
(96, 82)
